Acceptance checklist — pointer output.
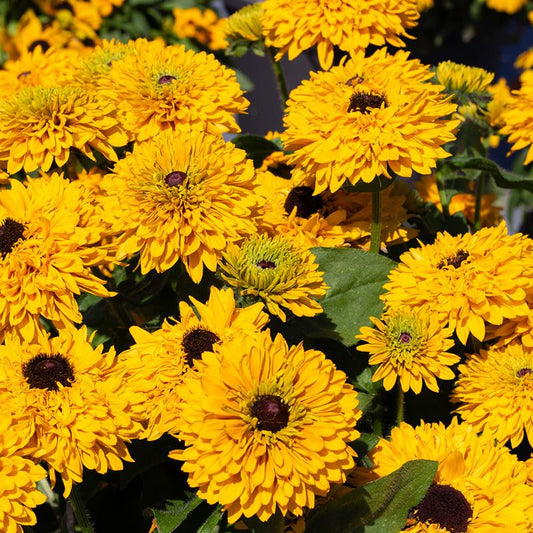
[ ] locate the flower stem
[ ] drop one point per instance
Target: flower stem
(375, 230)
(442, 195)
(400, 406)
(480, 188)
(280, 77)
(80, 512)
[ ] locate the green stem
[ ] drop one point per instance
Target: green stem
(80, 512)
(375, 230)
(400, 406)
(442, 195)
(480, 188)
(280, 77)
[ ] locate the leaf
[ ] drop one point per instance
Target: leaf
(355, 279)
(256, 147)
(381, 506)
(211, 525)
(176, 512)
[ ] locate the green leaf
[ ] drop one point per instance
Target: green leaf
(381, 506)
(355, 279)
(211, 525)
(256, 147)
(176, 512)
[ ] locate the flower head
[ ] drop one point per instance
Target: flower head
(245, 24)
(506, 6)
(410, 347)
(203, 26)
(462, 78)
(265, 426)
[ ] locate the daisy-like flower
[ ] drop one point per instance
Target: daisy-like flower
(517, 117)
(159, 359)
(368, 117)
(47, 234)
(297, 25)
(495, 390)
(183, 195)
(245, 24)
(159, 87)
(462, 78)
(39, 126)
(410, 347)
(265, 426)
(76, 400)
(480, 487)
(506, 6)
(279, 273)
(18, 476)
(466, 280)
(203, 26)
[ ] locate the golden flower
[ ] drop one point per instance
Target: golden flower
(365, 118)
(525, 59)
(410, 347)
(74, 395)
(507, 6)
(422, 5)
(265, 426)
(480, 487)
(276, 271)
(500, 95)
(466, 280)
(18, 476)
(495, 390)
(297, 25)
(245, 24)
(462, 78)
(518, 117)
(185, 194)
(39, 126)
(203, 26)
(159, 87)
(159, 359)
(46, 255)
(80, 16)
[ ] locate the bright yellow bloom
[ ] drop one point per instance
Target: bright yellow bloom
(158, 87)
(185, 194)
(480, 487)
(276, 271)
(39, 126)
(410, 347)
(203, 26)
(495, 390)
(265, 426)
(76, 400)
(466, 280)
(158, 360)
(245, 24)
(462, 78)
(507, 6)
(297, 25)
(374, 116)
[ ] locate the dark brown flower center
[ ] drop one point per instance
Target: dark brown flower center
(39, 42)
(45, 371)
(454, 261)
(196, 342)
(166, 78)
(363, 101)
(445, 506)
(271, 411)
(405, 337)
(523, 372)
(264, 264)
(10, 232)
(175, 178)
(302, 198)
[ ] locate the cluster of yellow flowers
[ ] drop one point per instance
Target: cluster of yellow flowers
(116, 154)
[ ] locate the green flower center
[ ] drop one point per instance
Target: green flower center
(196, 342)
(39, 42)
(45, 371)
(364, 101)
(454, 261)
(166, 78)
(11, 232)
(523, 372)
(445, 506)
(404, 337)
(302, 198)
(271, 411)
(175, 179)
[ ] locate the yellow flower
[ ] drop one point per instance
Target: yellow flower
(203, 26)
(422, 5)
(297, 25)
(410, 347)
(500, 95)
(518, 117)
(525, 59)
(462, 78)
(159, 87)
(18, 476)
(374, 116)
(185, 194)
(480, 487)
(46, 254)
(74, 395)
(506, 6)
(159, 359)
(265, 426)
(276, 271)
(39, 126)
(495, 390)
(466, 280)
(245, 24)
